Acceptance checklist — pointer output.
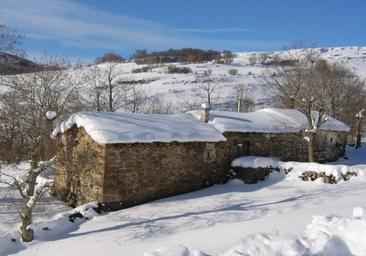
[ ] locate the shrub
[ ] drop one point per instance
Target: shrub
(233, 72)
(143, 69)
(253, 59)
(178, 70)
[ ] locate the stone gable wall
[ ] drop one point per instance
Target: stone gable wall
(141, 172)
(80, 164)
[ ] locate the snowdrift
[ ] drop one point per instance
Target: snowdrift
(325, 235)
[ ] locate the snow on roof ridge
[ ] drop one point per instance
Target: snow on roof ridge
(117, 127)
(268, 120)
(332, 123)
(279, 115)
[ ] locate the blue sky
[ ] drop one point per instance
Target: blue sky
(88, 28)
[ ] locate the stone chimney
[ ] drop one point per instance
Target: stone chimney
(205, 112)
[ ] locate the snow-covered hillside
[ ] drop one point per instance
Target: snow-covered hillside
(180, 90)
(231, 219)
(176, 88)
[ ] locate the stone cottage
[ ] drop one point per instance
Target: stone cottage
(125, 159)
(277, 133)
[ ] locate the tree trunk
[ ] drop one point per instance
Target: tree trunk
(311, 147)
(27, 210)
(358, 133)
(26, 218)
(209, 99)
(98, 100)
(358, 141)
(110, 95)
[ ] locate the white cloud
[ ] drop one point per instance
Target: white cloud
(81, 26)
(213, 30)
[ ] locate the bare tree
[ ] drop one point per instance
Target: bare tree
(314, 108)
(190, 101)
(208, 87)
(157, 106)
(358, 129)
(135, 98)
(11, 129)
(29, 185)
(31, 189)
(38, 92)
(10, 40)
(299, 87)
(288, 81)
(318, 89)
(109, 76)
(243, 101)
(345, 94)
(95, 87)
(11, 54)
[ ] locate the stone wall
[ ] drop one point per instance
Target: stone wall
(123, 175)
(288, 147)
(330, 145)
(141, 172)
(80, 164)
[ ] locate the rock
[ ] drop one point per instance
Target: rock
(251, 175)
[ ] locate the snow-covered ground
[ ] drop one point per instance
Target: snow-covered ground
(220, 220)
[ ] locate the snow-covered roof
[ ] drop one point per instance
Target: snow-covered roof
(110, 128)
(269, 120)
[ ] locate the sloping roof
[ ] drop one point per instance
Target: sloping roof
(111, 128)
(269, 120)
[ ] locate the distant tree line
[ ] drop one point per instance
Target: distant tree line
(109, 57)
(189, 55)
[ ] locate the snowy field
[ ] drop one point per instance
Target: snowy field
(220, 220)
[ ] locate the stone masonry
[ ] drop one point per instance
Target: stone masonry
(286, 146)
(80, 168)
(123, 175)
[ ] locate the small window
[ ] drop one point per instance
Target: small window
(243, 149)
(210, 153)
